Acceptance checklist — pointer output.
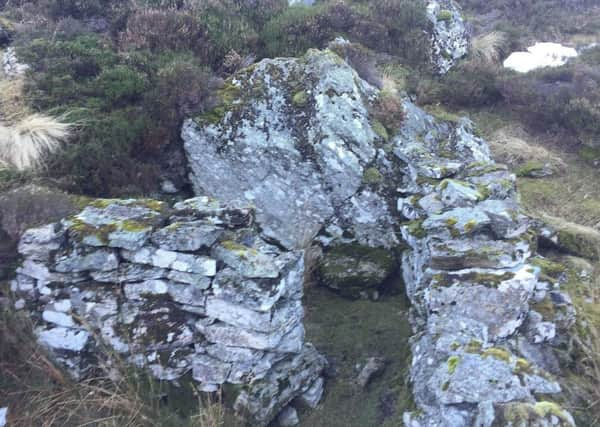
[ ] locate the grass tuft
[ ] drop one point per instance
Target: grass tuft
(25, 144)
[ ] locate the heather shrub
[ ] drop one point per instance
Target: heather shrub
(470, 86)
(129, 106)
(387, 110)
(300, 28)
(161, 29)
(407, 29)
(363, 60)
(567, 96)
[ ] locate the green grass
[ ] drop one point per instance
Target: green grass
(348, 332)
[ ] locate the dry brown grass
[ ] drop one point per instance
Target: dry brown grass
(489, 48)
(12, 100)
(512, 146)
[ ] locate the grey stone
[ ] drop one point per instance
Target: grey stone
(450, 37)
(288, 417)
(372, 367)
(296, 180)
(182, 262)
(313, 395)
(62, 338)
(39, 243)
(79, 261)
(137, 273)
(187, 236)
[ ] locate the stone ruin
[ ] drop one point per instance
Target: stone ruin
(189, 289)
(205, 288)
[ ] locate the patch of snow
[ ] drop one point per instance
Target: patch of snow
(540, 55)
(3, 412)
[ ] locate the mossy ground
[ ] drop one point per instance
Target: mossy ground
(348, 332)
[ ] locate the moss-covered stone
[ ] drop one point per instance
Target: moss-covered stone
(579, 240)
(548, 268)
(453, 362)
(372, 176)
(352, 268)
(444, 15)
(380, 130)
(300, 98)
(530, 169)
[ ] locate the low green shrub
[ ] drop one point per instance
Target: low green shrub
(128, 107)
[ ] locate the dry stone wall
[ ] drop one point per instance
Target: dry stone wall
(189, 290)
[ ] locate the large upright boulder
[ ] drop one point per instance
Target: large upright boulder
(189, 292)
(293, 138)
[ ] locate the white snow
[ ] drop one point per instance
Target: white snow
(540, 55)
(3, 412)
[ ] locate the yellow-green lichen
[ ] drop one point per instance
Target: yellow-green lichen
(474, 346)
(453, 362)
(451, 222)
(545, 409)
(444, 15)
(239, 249)
(470, 226)
(300, 98)
(372, 176)
(416, 229)
(380, 130)
(497, 353)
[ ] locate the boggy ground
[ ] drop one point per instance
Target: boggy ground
(347, 333)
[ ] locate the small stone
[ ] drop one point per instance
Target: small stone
(373, 367)
(314, 394)
(59, 319)
(168, 187)
(62, 338)
(288, 417)
(19, 304)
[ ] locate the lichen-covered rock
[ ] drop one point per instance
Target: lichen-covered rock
(294, 138)
(468, 274)
(307, 166)
(300, 164)
(191, 289)
(353, 270)
(449, 39)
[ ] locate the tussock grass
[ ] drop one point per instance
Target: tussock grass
(513, 146)
(489, 48)
(25, 144)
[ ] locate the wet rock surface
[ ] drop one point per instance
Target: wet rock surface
(223, 305)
